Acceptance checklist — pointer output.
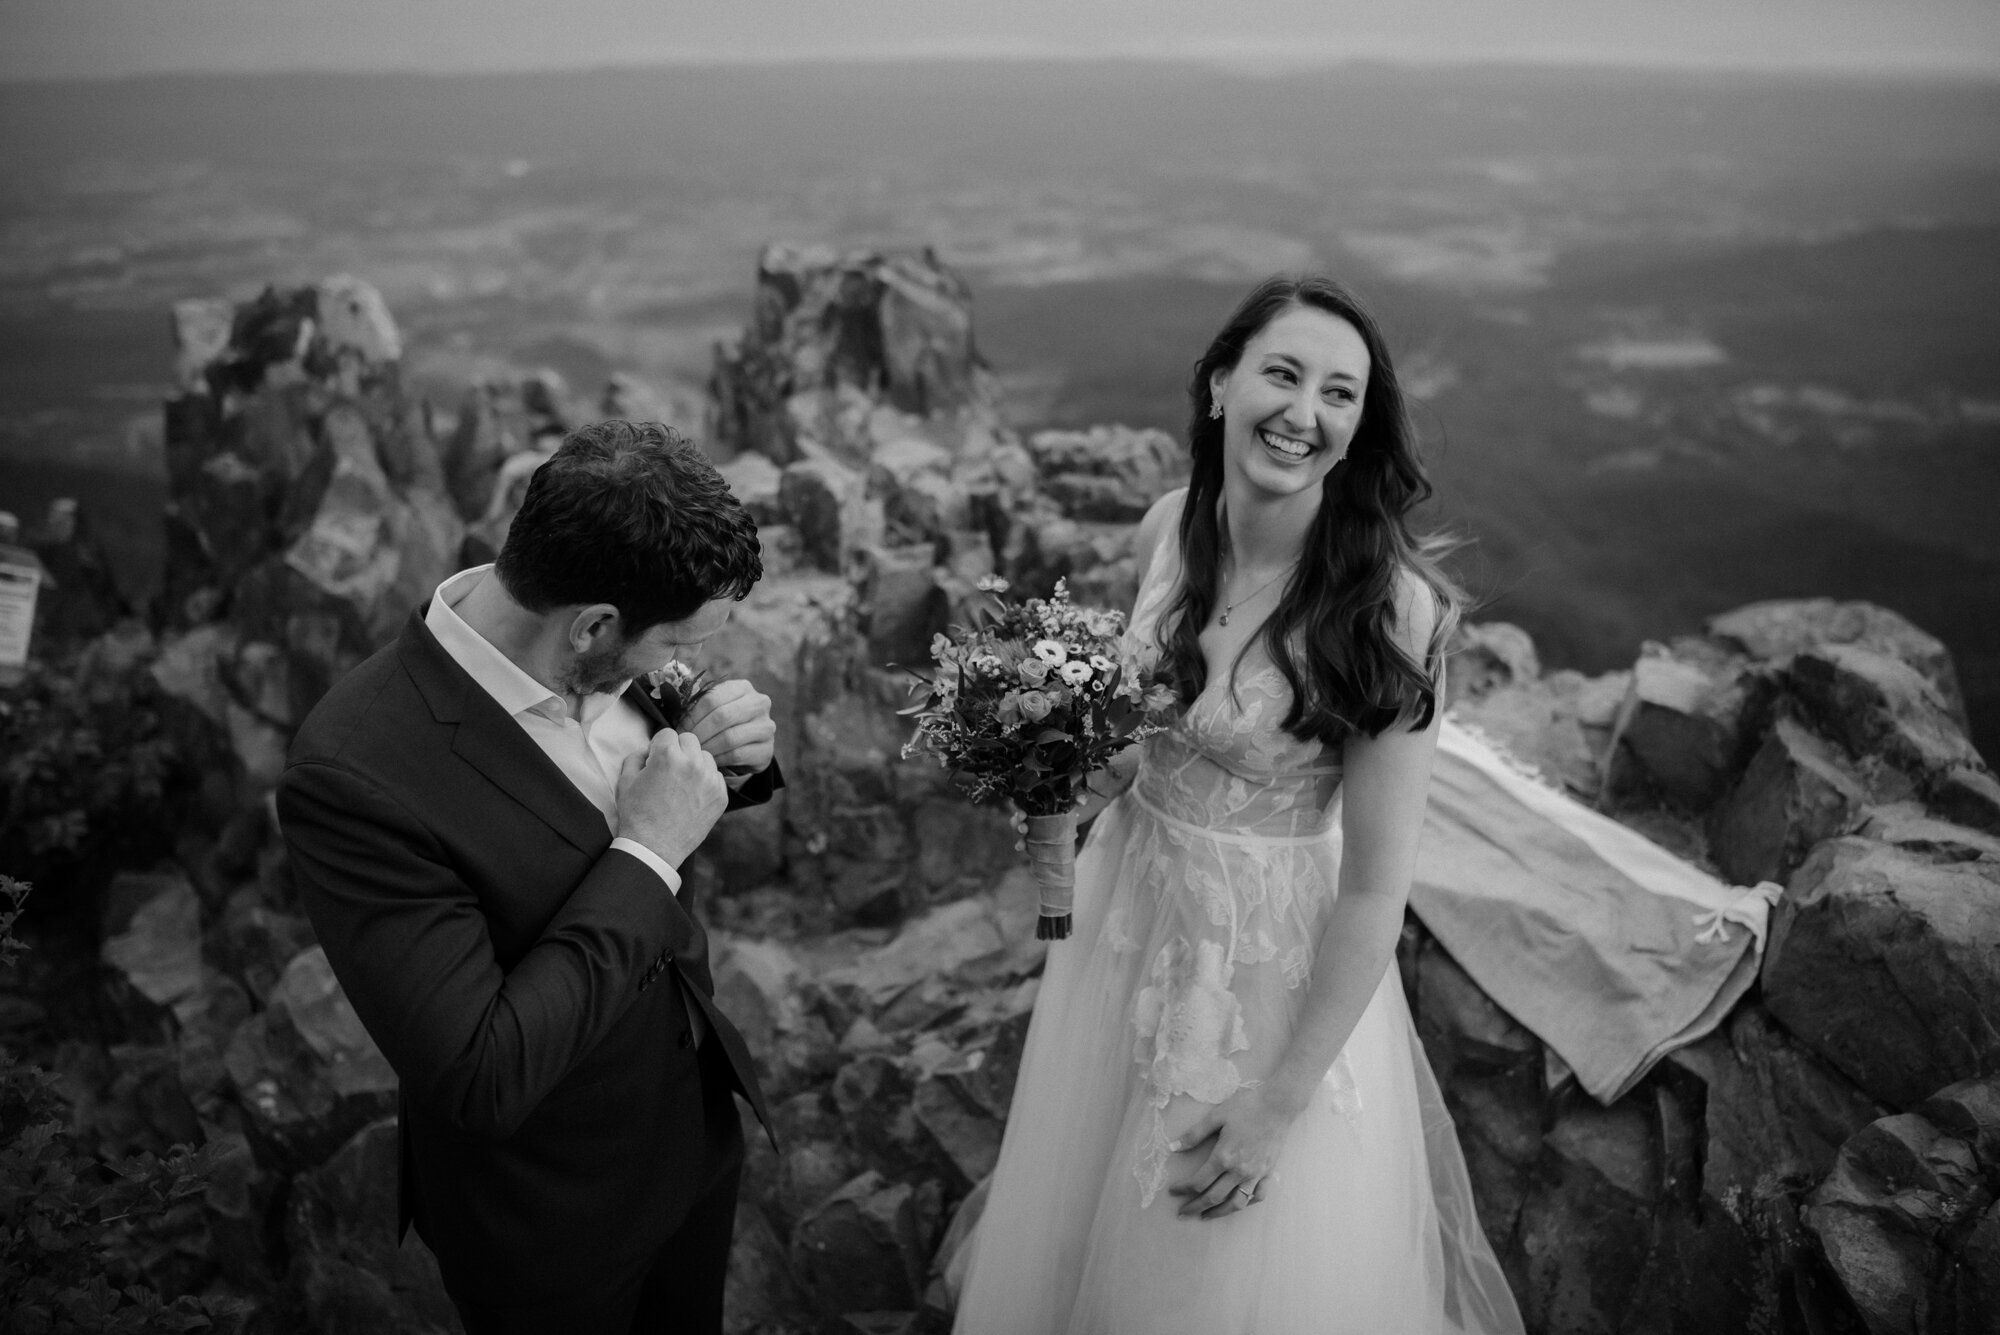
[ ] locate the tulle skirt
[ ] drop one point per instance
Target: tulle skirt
(1367, 1225)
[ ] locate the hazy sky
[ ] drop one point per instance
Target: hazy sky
(69, 38)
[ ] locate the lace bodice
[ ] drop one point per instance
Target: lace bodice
(1227, 765)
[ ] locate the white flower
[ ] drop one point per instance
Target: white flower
(1051, 652)
(990, 584)
(1100, 663)
(1075, 673)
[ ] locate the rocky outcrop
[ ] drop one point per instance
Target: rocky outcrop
(1888, 964)
(1908, 1218)
(1824, 1160)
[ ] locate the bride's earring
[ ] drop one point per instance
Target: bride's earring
(1215, 407)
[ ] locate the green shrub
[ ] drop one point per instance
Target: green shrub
(79, 1235)
(90, 771)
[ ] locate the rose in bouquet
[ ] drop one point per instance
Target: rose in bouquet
(1027, 704)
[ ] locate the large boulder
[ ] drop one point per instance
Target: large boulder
(1888, 965)
(1782, 627)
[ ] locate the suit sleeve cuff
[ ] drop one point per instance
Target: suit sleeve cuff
(651, 859)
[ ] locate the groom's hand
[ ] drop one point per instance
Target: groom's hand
(732, 721)
(670, 795)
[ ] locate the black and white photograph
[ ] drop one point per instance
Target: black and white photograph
(906, 667)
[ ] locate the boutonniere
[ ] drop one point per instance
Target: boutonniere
(677, 686)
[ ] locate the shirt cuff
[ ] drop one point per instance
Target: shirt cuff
(651, 859)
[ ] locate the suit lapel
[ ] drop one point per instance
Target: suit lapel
(637, 696)
(494, 744)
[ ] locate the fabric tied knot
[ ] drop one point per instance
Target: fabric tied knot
(1750, 909)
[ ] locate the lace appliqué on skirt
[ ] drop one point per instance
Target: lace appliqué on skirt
(1189, 1026)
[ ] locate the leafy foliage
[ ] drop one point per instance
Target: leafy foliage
(88, 769)
(1033, 699)
(79, 1235)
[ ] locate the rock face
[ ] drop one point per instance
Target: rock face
(1826, 1160)
(1889, 965)
(309, 507)
(835, 335)
(1812, 743)
(1908, 1217)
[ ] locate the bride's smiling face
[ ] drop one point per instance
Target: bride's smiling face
(1292, 402)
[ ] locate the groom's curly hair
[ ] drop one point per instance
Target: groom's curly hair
(631, 514)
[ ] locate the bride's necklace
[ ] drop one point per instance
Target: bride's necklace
(1229, 607)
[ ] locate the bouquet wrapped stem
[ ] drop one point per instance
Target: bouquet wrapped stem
(1051, 847)
(1026, 706)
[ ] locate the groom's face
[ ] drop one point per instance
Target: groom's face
(623, 659)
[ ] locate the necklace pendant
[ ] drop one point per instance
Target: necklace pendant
(1225, 616)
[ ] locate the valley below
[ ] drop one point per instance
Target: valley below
(1675, 342)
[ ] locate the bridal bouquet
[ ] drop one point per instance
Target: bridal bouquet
(1027, 705)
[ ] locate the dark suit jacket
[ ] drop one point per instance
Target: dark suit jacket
(517, 972)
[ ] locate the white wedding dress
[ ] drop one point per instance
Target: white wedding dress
(1201, 894)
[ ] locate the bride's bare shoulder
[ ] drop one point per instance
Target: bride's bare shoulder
(1163, 514)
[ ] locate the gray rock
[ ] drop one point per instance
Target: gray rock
(1683, 722)
(1897, 1188)
(1794, 793)
(1108, 472)
(1488, 655)
(256, 942)
(759, 1296)
(1970, 795)
(755, 481)
(628, 398)
(304, 1070)
(349, 1273)
(1461, 1022)
(902, 606)
(159, 952)
(1559, 726)
(964, 1129)
(1970, 1111)
(836, 336)
(824, 501)
(1878, 706)
(1889, 966)
(1772, 1110)
(866, 1248)
(1586, 1225)
(1909, 826)
(1779, 628)
(201, 328)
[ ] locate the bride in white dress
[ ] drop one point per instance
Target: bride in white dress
(1223, 1121)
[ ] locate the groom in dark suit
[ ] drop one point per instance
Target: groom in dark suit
(485, 820)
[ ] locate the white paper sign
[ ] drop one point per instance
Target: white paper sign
(20, 582)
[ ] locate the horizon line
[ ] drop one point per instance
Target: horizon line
(1249, 64)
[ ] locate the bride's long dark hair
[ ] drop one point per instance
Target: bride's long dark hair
(1331, 633)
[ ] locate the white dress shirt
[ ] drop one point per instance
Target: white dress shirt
(589, 751)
